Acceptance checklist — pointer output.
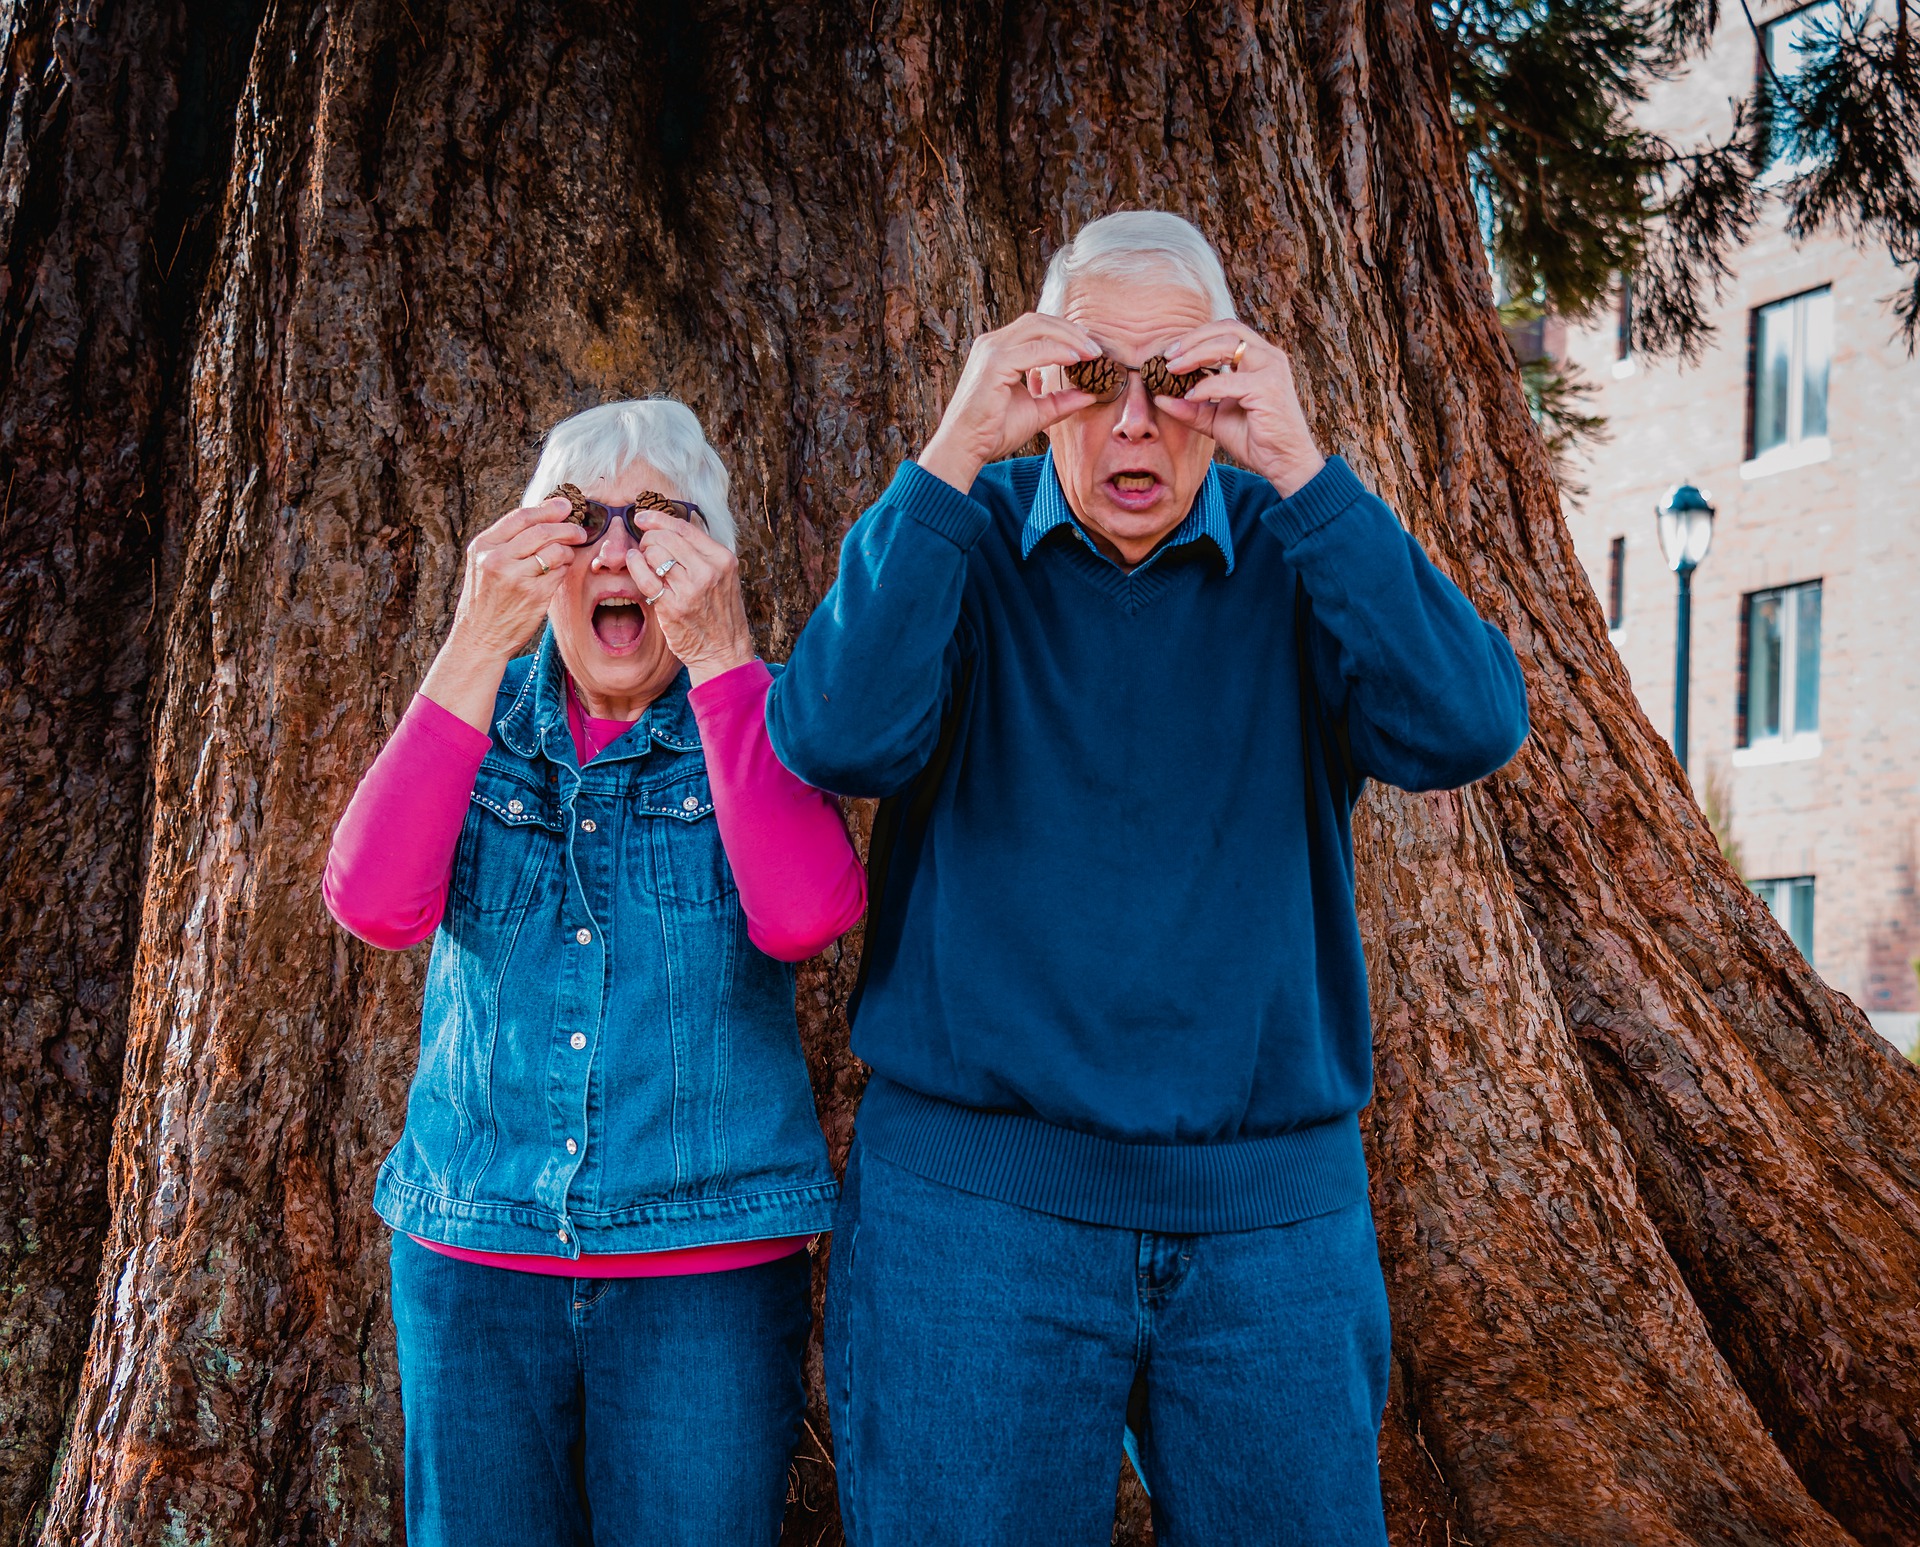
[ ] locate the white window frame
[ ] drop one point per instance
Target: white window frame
(1789, 744)
(1797, 449)
(1779, 897)
(1780, 169)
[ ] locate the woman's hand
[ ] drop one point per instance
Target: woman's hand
(995, 409)
(513, 569)
(1252, 410)
(697, 603)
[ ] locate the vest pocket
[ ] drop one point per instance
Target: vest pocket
(511, 831)
(690, 862)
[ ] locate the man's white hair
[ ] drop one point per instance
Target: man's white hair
(1138, 244)
(603, 442)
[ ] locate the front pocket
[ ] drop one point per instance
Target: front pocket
(690, 862)
(511, 834)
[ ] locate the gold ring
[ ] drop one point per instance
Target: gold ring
(1239, 354)
(545, 567)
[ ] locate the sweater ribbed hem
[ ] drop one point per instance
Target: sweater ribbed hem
(1181, 1189)
(1327, 494)
(938, 506)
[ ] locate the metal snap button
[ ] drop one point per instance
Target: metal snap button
(689, 804)
(584, 936)
(586, 824)
(572, 1148)
(515, 807)
(579, 1040)
(563, 1238)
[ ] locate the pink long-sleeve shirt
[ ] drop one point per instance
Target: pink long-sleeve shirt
(801, 885)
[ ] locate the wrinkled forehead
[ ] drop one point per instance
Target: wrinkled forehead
(634, 478)
(1135, 318)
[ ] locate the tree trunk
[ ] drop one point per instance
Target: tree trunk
(1648, 1193)
(118, 121)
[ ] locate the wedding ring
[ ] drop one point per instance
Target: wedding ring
(661, 569)
(1239, 354)
(650, 600)
(545, 567)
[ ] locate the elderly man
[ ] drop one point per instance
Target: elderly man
(1108, 1173)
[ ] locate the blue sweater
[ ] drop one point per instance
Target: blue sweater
(1116, 972)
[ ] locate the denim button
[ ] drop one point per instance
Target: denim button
(572, 1148)
(563, 1238)
(584, 936)
(689, 804)
(579, 1040)
(515, 807)
(586, 825)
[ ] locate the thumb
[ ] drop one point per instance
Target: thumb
(1052, 407)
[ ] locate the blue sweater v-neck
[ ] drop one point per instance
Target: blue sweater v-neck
(1116, 972)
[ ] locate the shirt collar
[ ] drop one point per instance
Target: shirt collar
(1206, 519)
(537, 718)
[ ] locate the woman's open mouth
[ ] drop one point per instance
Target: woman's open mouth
(618, 623)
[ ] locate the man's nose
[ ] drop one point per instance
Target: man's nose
(1136, 421)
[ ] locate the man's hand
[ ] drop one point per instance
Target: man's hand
(697, 603)
(1253, 410)
(993, 411)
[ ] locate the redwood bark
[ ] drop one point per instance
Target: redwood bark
(1643, 1183)
(116, 128)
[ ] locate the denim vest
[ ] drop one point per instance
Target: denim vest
(607, 1062)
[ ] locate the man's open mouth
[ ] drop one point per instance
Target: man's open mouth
(1134, 490)
(618, 623)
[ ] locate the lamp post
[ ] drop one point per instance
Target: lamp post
(1686, 532)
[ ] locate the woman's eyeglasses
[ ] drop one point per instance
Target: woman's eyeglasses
(1106, 378)
(595, 517)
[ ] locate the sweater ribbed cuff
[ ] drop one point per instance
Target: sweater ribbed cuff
(1328, 494)
(938, 506)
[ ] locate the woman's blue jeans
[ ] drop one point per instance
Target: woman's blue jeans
(563, 1412)
(983, 1360)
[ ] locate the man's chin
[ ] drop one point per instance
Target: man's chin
(1132, 522)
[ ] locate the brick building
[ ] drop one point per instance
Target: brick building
(1802, 423)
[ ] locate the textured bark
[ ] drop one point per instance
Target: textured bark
(1642, 1182)
(116, 127)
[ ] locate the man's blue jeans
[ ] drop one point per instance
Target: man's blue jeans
(562, 1412)
(981, 1357)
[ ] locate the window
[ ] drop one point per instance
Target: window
(1617, 584)
(1792, 346)
(1780, 659)
(1783, 55)
(1790, 900)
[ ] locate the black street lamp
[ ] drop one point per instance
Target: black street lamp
(1686, 532)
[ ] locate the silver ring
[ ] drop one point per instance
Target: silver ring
(545, 567)
(660, 570)
(650, 600)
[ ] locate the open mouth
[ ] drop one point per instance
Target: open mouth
(1134, 490)
(618, 623)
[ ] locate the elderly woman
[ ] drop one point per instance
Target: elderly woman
(611, 1168)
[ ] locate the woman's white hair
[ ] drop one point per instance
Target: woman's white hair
(603, 442)
(1138, 244)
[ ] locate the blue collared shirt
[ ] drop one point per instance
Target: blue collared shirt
(1206, 519)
